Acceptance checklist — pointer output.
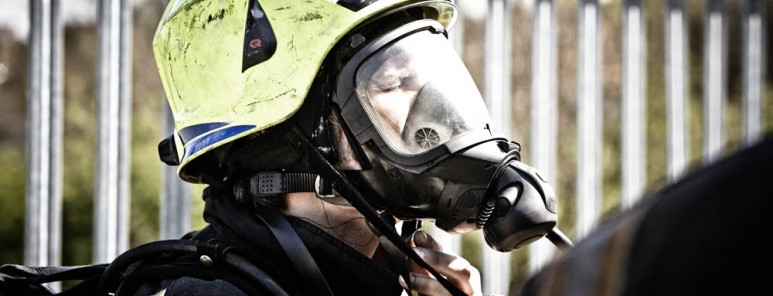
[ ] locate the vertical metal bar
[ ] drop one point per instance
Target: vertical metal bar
(754, 55)
(56, 149)
(544, 107)
(175, 197)
(453, 243)
(633, 133)
(497, 63)
(44, 136)
(714, 80)
(496, 265)
(38, 130)
(125, 126)
(588, 118)
(113, 148)
(676, 90)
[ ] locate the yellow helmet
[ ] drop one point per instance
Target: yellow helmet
(234, 68)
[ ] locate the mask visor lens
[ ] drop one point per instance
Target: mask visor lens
(419, 95)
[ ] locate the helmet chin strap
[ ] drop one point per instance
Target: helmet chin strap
(384, 227)
(272, 183)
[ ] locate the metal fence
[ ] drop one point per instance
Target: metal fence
(44, 141)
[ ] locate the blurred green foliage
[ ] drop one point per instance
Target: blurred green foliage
(12, 217)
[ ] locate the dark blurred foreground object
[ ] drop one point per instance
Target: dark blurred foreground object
(705, 234)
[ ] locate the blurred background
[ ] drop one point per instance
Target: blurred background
(611, 84)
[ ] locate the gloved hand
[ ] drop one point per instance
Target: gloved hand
(455, 268)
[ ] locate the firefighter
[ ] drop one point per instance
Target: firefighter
(326, 131)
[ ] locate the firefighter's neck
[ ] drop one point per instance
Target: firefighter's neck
(342, 222)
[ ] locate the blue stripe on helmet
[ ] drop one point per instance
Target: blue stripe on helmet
(207, 140)
(193, 131)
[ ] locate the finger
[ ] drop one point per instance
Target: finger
(423, 239)
(425, 285)
(456, 269)
(415, 268)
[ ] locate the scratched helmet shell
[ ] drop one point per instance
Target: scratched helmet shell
(234, 68)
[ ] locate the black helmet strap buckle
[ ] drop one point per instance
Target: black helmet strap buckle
(266, 184)
(273, 183)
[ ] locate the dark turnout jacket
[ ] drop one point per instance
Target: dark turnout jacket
(346, 271)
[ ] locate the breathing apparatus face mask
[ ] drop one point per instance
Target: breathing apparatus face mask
(434, 154)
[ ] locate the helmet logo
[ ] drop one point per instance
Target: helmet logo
(255, 43)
